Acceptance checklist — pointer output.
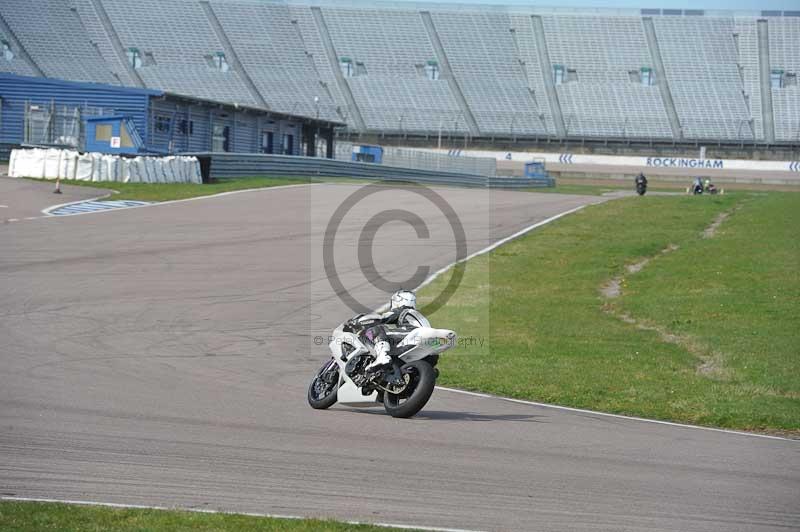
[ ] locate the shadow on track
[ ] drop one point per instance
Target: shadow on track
(443, 415)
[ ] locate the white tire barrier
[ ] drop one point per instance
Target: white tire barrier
(68, 164)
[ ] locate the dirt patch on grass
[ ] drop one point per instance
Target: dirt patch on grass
(710, 362)
(711, 230)
(613, 288)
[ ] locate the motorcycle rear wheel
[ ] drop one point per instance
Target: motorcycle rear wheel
(322, 392)
(416, 394)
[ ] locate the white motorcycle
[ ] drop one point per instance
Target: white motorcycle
(404, 386)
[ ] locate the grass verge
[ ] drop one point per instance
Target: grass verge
(37, 516)
(704, 334)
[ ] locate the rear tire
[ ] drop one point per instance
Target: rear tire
(322, 392)
(405, 405)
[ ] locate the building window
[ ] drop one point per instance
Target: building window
(134, 58)
(8, 53)
(643, 76)
(102, 132)
(776, 79)
(346, 65)
(432, 70)
(162, 123)
(558, 74)
(221, 138)
(647, 76)
(220, 63)
(186, 127)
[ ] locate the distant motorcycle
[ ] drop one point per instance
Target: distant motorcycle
(711, 188)
(404, 386)
(641, 185)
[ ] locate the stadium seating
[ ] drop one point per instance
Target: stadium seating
(604, 100)
(272, 52)
(700, 59)
(55, 39)
(177, 44)
(484, 60)
(491, 78)
(746, 32)
(389, 50)
(784, 54)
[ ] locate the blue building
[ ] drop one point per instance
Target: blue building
(97, 117)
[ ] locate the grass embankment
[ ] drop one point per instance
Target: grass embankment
(706, 333)
(38, 517)
(175, 191)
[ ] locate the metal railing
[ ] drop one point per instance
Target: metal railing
(426, 160)
(229, 165)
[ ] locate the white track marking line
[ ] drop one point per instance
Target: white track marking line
(618, 416)
(210, 511)
(46, 211)
(3, 206)
(497, 244)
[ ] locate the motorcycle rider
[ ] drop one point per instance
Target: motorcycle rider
(402, 315)
(697, 188)
(641, 181)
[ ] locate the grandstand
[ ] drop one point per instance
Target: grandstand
(417, 70)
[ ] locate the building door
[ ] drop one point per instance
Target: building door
(267, 139)
(288, 144)
(221, 138)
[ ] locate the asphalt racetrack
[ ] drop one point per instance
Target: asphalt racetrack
(160, 356)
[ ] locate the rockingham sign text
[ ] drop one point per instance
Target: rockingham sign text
(677, 162)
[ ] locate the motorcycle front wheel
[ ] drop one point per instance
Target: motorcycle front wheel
(415, 396)
(322, 390)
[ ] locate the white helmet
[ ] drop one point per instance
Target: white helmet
(404, 299)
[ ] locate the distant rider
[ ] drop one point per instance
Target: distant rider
(402, 316)
(641, 179)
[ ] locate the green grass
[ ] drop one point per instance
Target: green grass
(589, 190)
(40, 517)
(730, 304)
(175, 191)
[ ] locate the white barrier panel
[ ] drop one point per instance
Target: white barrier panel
(68, 164)
(66, 169)
(639, 162)
(52, 162)
(84, 168)
(28, 163)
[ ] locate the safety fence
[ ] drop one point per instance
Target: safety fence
(454, 161)
(228, 165)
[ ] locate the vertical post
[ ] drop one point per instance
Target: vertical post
(51, 122)
(26, 122)
(329, 143)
